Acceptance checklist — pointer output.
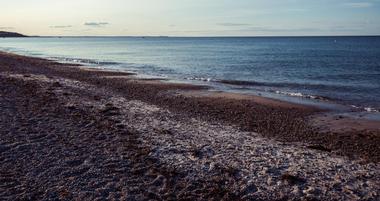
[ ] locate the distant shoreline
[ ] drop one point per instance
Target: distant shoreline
(4, 34)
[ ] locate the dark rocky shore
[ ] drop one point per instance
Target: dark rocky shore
(5, 34)
(74, 133)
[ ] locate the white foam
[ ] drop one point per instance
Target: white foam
(295, 94)
(369, 109)
(200, 79)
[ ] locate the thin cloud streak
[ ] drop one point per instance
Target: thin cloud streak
(6, 28)
(233, 24)
(359, 5)
(96, 24)
(61, 26)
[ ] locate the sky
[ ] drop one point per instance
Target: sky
(190, 17)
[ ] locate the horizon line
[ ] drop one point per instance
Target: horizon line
(237, 36)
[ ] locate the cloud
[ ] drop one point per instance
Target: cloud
(359, 4)
(61, 26)
(5, 28)
(96, 24)
(232, 24)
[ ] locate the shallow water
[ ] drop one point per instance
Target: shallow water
(344, 70)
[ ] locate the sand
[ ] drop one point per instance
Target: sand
(69, 133)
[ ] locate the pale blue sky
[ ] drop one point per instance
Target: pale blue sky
(191, 17)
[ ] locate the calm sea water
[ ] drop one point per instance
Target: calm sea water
(344, 70)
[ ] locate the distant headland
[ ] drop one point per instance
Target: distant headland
(4, 34)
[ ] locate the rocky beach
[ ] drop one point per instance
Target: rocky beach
(68, 132)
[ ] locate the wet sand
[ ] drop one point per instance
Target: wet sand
(73, 133)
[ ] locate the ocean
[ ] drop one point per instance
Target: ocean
(341, 71)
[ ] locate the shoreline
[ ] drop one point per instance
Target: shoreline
(205, 89)
(227, 86)
(235, 86)
(356, 108)
(309, 119)
(171, 139)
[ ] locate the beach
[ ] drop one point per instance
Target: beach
(73, 132)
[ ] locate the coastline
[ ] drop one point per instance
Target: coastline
(281, 125)
(299, 120)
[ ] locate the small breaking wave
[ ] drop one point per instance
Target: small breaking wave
(367, 109)
(83, 61)
(323, 98)
(298, 94)
(203, 79)
(252, 83)
(285, 85)
(230, 82)
(370, 109)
